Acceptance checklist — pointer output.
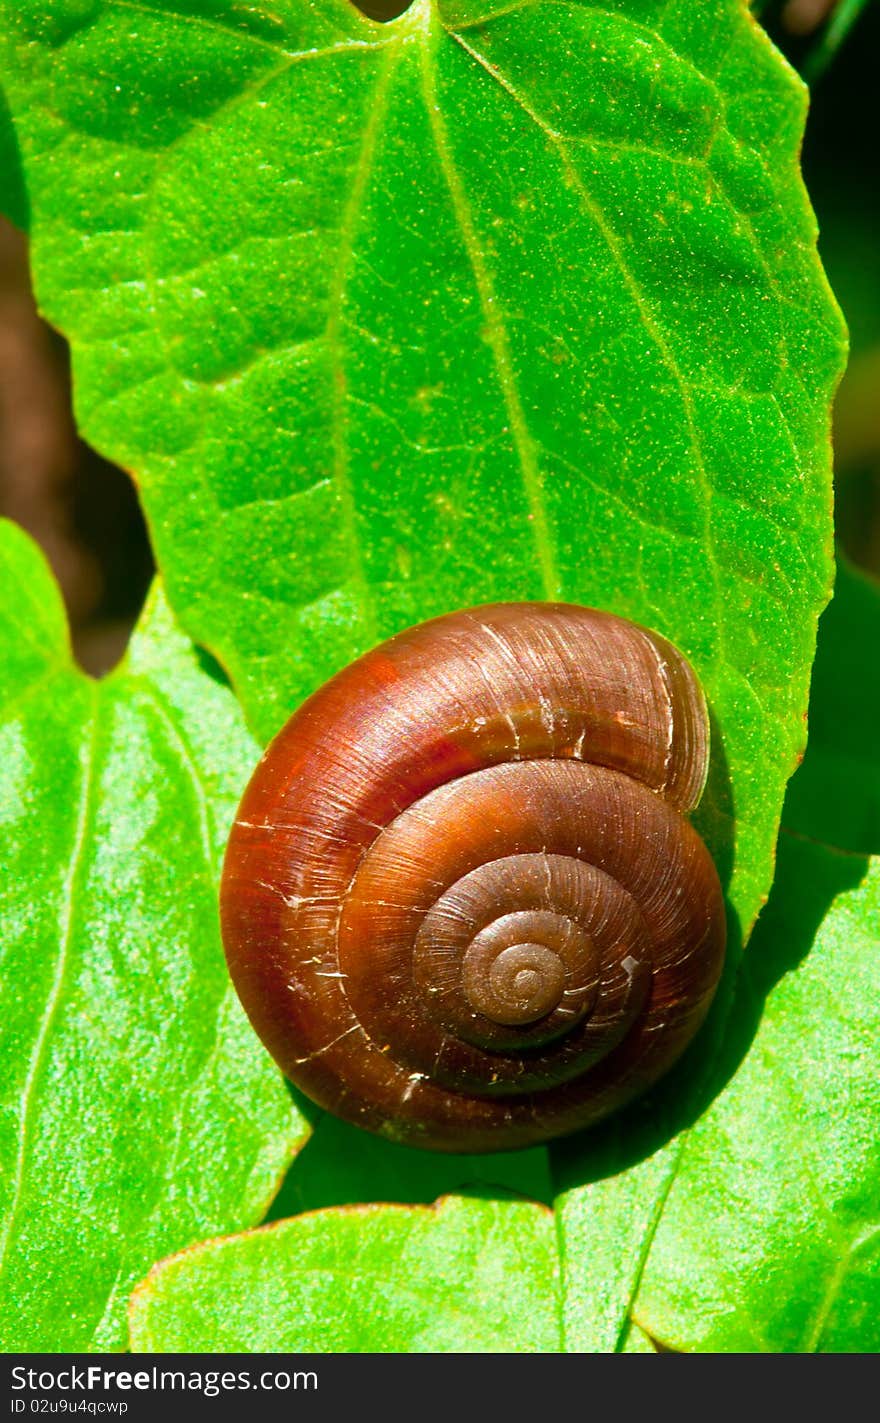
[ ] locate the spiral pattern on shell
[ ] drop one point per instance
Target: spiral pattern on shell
(461, 902)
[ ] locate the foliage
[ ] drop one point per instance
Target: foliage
(491, 301)
(138, 1059)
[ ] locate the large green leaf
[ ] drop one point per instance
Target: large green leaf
(493, 301)
(470, 1276)
(138, 1113)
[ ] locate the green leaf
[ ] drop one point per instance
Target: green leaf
(470, 1276)
(769, 1240)
(492, 301)
(605, 1231)
(138, 1112)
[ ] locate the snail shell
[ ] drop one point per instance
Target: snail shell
(461, 903)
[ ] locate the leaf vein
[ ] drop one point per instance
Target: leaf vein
(71, 889)
(642, 305)
(497, 339)
(347, 236)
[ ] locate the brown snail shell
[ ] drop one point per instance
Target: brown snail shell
(461, 902)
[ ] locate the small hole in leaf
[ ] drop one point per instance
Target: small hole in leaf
(81, 510)
(382, 10)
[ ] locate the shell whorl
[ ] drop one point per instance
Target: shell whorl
(461, 902)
